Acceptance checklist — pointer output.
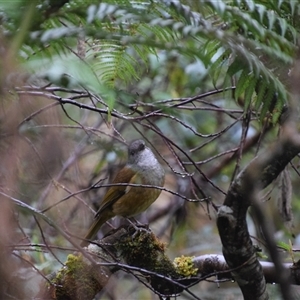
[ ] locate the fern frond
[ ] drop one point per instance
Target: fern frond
(268, 100)
(243, 83)
(217, 66)
(261, 90)
(277, 111)
(122, 34)
(249, 91)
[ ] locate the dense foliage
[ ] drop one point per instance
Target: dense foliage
(205, 83)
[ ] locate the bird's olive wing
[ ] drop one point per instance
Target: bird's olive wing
(126, 175)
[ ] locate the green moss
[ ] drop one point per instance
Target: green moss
(142, 250)
(74, 264)
(185, 266)
(145, 251)
(76, 280)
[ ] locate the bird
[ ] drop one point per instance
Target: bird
(142, 168)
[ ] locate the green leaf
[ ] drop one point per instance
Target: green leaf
(267, 101)
(243, 83)
(284, 246)
(260, 91)
(249, 91)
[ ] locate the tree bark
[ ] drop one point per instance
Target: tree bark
(238, 249)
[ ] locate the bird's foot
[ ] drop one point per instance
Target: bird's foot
(139, 226)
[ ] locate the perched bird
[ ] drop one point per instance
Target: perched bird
(127, 201)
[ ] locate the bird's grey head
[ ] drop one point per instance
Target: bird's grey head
(135, 149)
(142, 160)
(140, 154)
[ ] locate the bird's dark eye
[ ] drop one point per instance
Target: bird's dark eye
(141, 147)
(136, 147)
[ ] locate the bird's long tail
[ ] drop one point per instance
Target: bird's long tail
(94, 228)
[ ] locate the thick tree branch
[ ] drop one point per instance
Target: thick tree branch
(126, 249)
(215, 265)
(237, 245)
(143, 256)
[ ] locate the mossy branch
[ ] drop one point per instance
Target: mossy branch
(126, 249)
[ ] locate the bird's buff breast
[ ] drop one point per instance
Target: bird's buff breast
(137, 200)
